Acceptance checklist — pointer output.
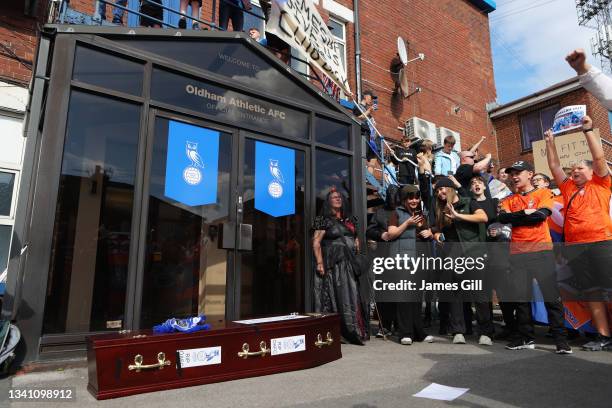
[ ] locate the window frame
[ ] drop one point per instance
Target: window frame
(10, 219)
(342, 41)
(524, 148)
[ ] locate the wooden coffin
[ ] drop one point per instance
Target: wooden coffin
(121, 364)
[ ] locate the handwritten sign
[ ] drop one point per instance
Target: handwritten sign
(298, 23)
(571, 148)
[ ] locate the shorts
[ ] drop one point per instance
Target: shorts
(591, 265)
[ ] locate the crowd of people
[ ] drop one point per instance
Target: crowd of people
(153, 13)
(452, 204)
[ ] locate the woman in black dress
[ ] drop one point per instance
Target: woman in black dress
(336, 284)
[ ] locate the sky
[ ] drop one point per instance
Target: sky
(530, 39)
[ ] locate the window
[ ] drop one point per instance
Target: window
(534, 124)
(7, 187)
(338, 30)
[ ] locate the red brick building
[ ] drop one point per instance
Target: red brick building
(520, 122)
(456, 77)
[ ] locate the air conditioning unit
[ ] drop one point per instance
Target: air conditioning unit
(444, 132)
(417, 128)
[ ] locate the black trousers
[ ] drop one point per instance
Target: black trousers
(409, 321)
(541, 266)
(228, 12)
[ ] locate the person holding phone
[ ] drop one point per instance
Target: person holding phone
(407, 227)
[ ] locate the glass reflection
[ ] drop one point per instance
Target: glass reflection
(333, 170)
(332, 133)
(272, 274)
(91, 239)
(227, 105)
(233, 60)
(185, 271)
(108, 71)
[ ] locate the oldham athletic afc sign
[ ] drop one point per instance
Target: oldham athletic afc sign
(192, 164)
(274, 179)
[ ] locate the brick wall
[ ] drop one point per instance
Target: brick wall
(508, 128)
(457, 70)
(453, 35)
(18, 41)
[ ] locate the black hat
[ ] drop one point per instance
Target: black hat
(445, 182)
(520, 166)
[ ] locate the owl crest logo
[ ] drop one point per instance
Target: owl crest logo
(275, 188)
(192, 153)
(276, 171)
(192, 174)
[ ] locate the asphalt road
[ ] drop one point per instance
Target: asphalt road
(383, 374)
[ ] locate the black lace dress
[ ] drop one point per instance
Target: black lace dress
(338, 290)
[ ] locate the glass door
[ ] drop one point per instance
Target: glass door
(189, 194)
(271, 221)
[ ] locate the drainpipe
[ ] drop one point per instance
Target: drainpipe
(357, 48)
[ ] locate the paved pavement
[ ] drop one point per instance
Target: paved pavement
(383, 374)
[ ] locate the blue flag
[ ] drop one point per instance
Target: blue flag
(192, 164)
(274, 179)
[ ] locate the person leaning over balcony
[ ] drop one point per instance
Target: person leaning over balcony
(446, 160)
(151, 10)
(408, 231)
(587, 227)
(233, 10)
(117, 12)
(591, 78)
(336, 284)
(363, 115)
(531, 256)
(195, 13)
(256, 35)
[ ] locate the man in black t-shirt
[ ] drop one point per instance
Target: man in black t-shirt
(469, 168)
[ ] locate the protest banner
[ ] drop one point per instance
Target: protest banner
(571, 148)
(298, 23)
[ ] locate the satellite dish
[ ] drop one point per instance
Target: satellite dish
(401, 50)
(403, 82)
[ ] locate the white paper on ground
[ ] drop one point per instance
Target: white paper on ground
(441, 392)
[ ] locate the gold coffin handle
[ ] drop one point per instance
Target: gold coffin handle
(245, 353)
(161, 363)
(328, 340)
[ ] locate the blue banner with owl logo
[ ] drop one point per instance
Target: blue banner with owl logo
(192, 164)
(274, 179)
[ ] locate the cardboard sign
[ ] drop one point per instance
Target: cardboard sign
(571, 148)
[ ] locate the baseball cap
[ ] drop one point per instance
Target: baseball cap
(445, 182)
(520, 166)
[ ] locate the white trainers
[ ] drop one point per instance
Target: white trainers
(406, 341)
(485, 341)
(429, 339)
(458, 339)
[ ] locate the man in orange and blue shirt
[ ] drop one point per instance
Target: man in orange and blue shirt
(531, 256)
